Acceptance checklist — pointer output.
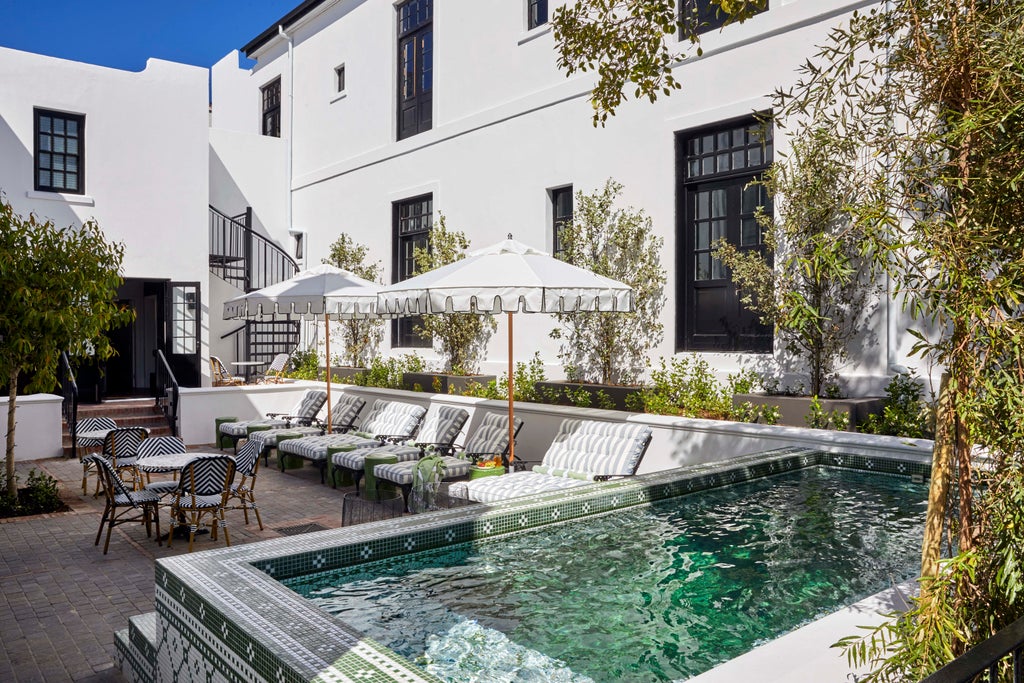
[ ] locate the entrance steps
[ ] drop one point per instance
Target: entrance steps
(132, 412)
(136, 648)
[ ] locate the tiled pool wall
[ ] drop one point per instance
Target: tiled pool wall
(222, 615)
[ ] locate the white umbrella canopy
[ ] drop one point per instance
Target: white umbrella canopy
(320, 291)
(507, 277)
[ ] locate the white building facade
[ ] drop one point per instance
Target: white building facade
(393, 112)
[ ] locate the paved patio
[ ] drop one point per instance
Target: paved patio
(61, 599)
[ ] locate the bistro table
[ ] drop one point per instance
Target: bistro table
(174, 462)
(247, 367)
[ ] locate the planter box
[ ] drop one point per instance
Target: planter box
(794, 409)
(441, 383)
(555, 392)
(346, 374)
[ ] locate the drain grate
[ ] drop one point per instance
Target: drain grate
(300, 529)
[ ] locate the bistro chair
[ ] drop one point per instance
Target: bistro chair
(120, 497)
(90, 424)
(275, 372)
(221, 376)
(203, 489)
(247, 463)
(159, 445)
(121, 448)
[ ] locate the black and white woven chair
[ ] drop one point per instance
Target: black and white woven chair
(120, 497)
(121, 448)
(247, 464)
(90, 424)
(343, 418)
(489, 439)
(303, 414)
(275, 371)
(159, 445)
(203, 489)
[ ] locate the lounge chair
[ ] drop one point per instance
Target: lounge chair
(490, 438)
(220, 375)
(386, 421)
(441, 427)
(303, 414)
(343, 419)
(582, 452)
(275, 372)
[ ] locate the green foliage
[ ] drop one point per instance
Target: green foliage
(819, 418)
(305, 365)
(40, 495)
(904, 411)
(387, 372)
(578, 396)
(687, 386)
(629, 43)
(611, 348)
(461, 338)
(525, 376)
(813, 282)
(361, 337)
(58, 290)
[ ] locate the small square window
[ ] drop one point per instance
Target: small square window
(59, 152)
(339, 78)
(536, 13)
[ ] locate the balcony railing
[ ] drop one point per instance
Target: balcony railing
(981, 663)
(244, 258)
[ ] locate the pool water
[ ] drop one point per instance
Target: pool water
(652, 593)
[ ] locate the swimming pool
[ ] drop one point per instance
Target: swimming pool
(652, 593)
(225, 612)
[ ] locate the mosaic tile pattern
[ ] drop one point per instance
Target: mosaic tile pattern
(222, 615)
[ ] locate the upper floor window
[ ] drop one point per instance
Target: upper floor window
(561, 214)
(271, 95)
(702, 16)
(415, 67)
(339, 79)
(59, 152)
(412, 220)
(536, 13)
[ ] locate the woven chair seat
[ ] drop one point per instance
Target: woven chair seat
(137, 497)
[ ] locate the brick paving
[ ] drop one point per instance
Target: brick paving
(62, 599)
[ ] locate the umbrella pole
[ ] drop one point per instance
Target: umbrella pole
(511, 398)
(327, 350)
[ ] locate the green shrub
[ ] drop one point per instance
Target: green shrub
(305, 365)
(526, 376)
(819, 418)
(904, 411)
(41, 494)
(387, 372)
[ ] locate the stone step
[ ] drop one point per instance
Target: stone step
(136, 648)
(138, 412)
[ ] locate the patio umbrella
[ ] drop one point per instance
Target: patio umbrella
(321, 291)
(508, 277)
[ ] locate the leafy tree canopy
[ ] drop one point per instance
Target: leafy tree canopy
(361, 337)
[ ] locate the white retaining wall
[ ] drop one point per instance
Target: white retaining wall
(37, 429)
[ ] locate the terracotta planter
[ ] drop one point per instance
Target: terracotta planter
(441, 383)
(794, 409)
(555, 392)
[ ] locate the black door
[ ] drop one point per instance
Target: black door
(182, 324)
(119, 367)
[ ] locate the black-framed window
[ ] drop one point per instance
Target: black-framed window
(415, 81)
(271, 98)
(339, 78)
(536, 13)
(412, 220)
(561, 213)
(59, 152)
(702, 16)
(716, 172)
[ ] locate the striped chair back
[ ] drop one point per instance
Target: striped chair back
(113, 485)
(89, 424)
(491, 435)
(601, 449)
(161, 445)
(311, 403)
(392, 418)
(345, 412)
(247, 459)
(206, 477)
(123, 442)
(442, 425)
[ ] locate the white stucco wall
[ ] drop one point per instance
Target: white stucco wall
(37, 426)
(507, 127)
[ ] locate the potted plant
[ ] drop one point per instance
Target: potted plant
(459, 338)
(813, 280)
(605, 354)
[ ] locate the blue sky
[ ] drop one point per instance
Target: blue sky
(124, 34)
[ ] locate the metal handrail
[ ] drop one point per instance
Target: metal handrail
(169, 407)
(242, 256)
(69, 405)
(985, 657)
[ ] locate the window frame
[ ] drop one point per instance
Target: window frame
(340, 84)
(558, 220)
(271, 112)
(410, 95)
(705, 23)
(740, 329)
(402, 334)
(79, 156)
(534, 9)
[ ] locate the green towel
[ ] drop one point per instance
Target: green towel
(429, 470)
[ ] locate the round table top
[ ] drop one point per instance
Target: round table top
(172, 462)
(98, 434)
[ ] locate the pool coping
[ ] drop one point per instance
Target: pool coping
(225, 610)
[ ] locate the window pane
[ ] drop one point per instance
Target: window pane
(71, 145)
(703, 266)
(754, 155)
(717, 270)
(718, 203)
(723, 162)
(717, 230)
(708, 166)
(72, 128)
(750, 233)
(44, 178)
(58, 145)
(44, 124)
(738, 159)
(58, 163)
(703, 202)
(71, 181)
(58, 126)
(58, 180)
(44, 160)
(44, 142)
(71, 164)
(751, 198)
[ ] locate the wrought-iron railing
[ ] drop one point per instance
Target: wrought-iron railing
(244, 258)
(69, 406)
(981, 663)
(167, 391)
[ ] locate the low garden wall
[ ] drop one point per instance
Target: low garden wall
(38, 426)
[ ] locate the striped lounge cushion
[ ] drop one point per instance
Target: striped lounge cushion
(513, 485)
(392, 418)
(267, 438)
(315, 447)
(442, 425)
(355, 459)
(491, 436)
(401, 473)
(242, 428)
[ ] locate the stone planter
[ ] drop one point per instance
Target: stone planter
(555, 392)
(346, 374)
(441, 383)
(794, 409)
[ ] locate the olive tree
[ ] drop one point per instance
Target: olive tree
(57, 293)
(618, 243)
(360, 336)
